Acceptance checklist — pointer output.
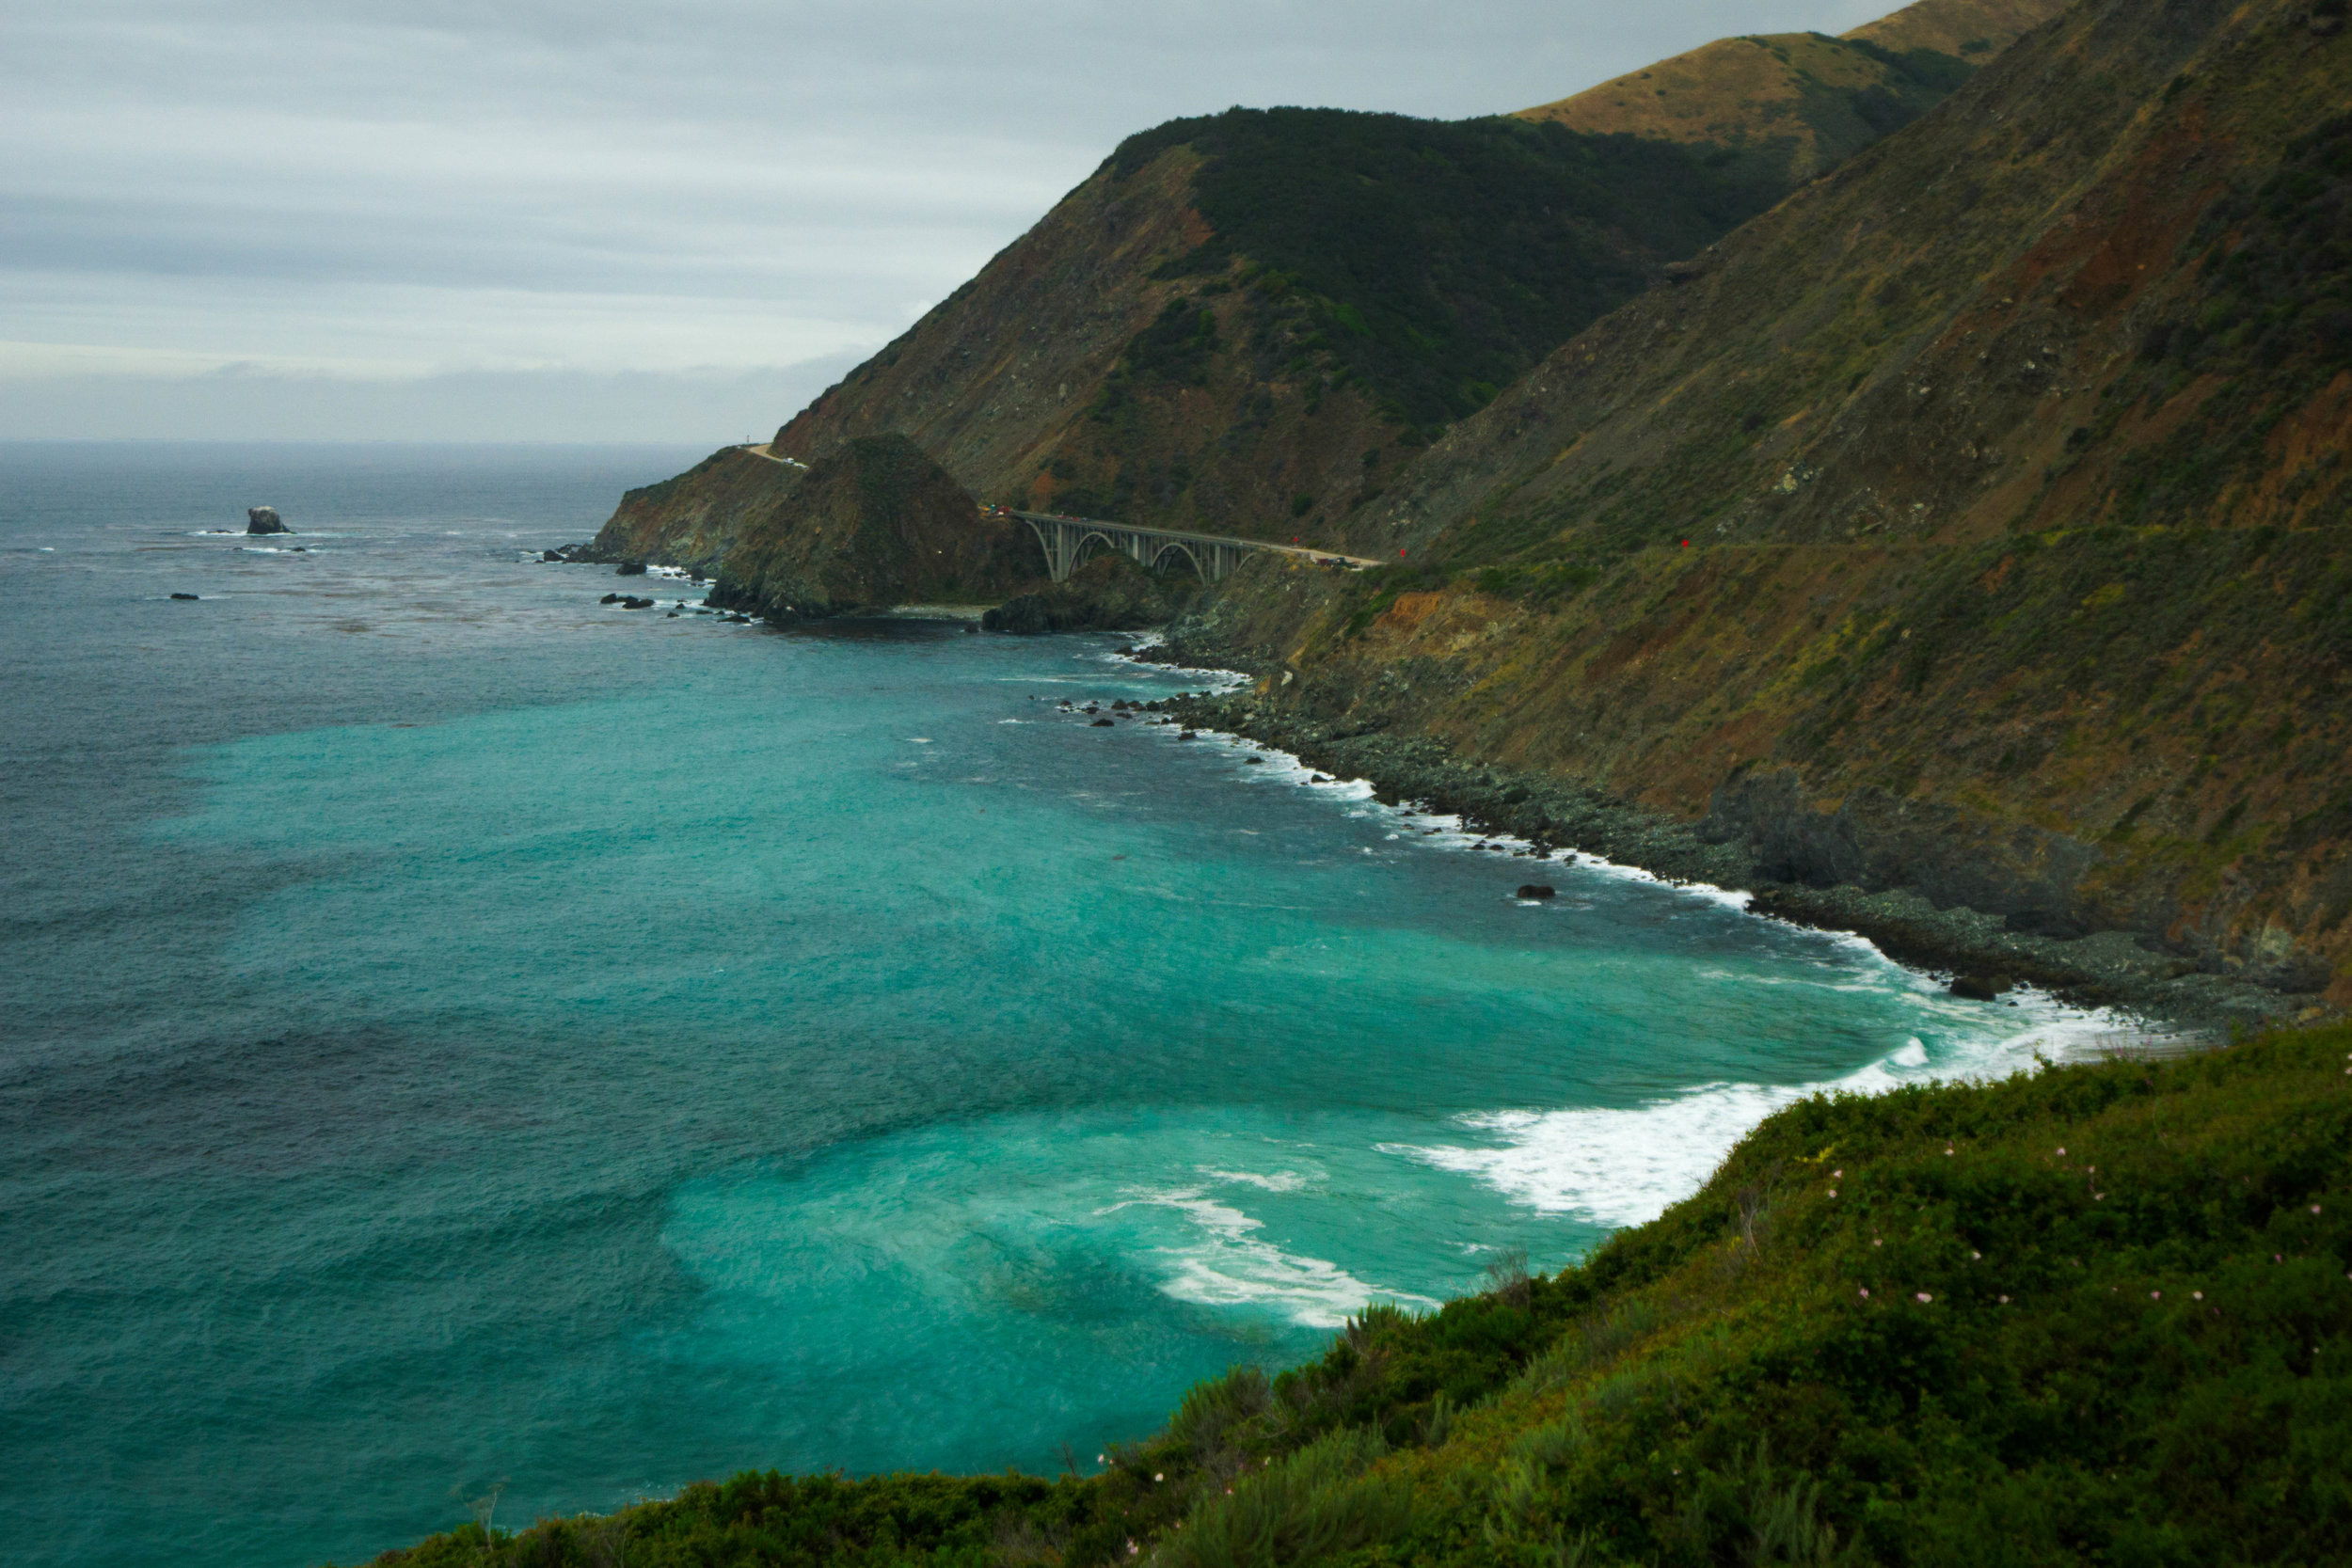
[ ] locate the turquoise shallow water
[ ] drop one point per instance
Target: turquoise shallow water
(462, 1032)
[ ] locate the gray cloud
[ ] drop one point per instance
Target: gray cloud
(669, 209)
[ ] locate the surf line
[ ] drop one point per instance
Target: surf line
(2066, 1022)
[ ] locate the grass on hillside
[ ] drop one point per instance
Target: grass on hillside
(2099, 1313)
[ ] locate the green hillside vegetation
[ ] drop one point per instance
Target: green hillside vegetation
(1441, 259)
(2099, 1313)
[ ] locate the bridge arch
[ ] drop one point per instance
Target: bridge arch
(1176, 546)
(1082, 547)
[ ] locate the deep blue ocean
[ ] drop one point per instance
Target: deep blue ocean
(451, 1031)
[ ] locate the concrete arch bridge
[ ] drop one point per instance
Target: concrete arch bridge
(1069, 540)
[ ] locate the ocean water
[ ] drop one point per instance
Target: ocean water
(453, 1032)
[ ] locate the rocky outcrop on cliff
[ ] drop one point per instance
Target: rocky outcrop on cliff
(875, 523)
(695, 519)
(1974, 521)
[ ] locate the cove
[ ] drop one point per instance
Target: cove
(675, 1049)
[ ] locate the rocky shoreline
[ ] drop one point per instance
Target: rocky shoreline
(2110, 969)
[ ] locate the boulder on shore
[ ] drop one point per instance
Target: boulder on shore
(629, 569)
(264, 519)
(1978, 988)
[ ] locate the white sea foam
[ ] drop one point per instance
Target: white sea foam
(1229, 1265)
(1624, 1165)
(1278, 1181)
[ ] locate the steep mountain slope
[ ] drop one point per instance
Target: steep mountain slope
(1246, 324)
(1983, 503)
(1792, 105)
(1251, 319)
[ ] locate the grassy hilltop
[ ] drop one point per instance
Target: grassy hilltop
(2098, 1314)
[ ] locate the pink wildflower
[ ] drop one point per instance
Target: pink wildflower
(1866, 1293)
(1923, 1296)
(1841, 1174)
(2155, 1296)
(1158, 1477)
(2196, 1295)
(2005, 1301)
(1832, 1192)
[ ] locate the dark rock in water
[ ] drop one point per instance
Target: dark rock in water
(610, 598)
(551, 555)
(1154, 705)
(635, 603)
(1536, 890)
(1252, 762)
(1978, 988)
(1320, 778)
(629, 569)
(1103, 724)
(971, 630)
(264, 519)
(183, 596)
(302, 550)
(1120, 705)
(1184, 735)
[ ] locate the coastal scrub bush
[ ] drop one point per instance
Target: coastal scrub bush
(1299, 1508)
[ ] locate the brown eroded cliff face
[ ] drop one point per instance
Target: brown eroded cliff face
(1974, 521)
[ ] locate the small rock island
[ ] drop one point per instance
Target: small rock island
(264, 519)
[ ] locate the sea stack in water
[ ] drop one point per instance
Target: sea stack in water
(264, 519)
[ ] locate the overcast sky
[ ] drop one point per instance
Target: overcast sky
(519, 219)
